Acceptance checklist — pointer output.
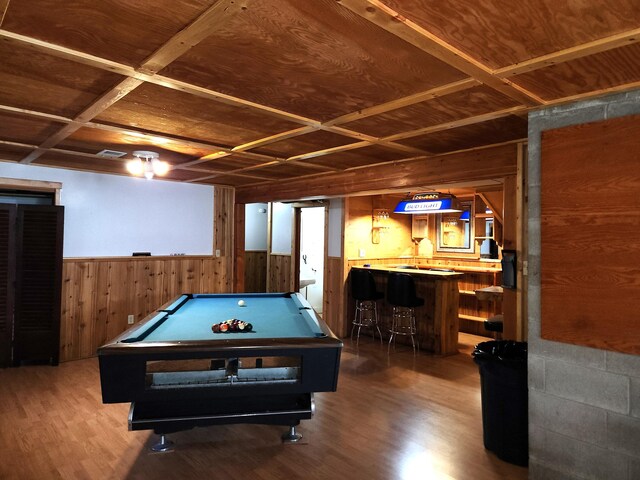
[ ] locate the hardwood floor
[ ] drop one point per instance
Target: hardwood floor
(393, 417)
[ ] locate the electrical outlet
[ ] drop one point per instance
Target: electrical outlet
(217, 252)
(361, 252)
(131, 319)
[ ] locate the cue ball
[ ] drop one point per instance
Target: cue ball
(241, 303)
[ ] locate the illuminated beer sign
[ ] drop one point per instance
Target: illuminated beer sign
(428, 203)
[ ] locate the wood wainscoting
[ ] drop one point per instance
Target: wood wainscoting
(98, 294)
(335, 292)
(255, 271)
(279, 274)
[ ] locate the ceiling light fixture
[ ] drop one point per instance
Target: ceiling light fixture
(147, 164)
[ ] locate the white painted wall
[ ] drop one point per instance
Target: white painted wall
(335, 227)
(112, 215)
(256, 221)
(281, 228)
(312, 254)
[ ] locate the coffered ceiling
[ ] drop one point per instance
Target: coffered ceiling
(255, 92)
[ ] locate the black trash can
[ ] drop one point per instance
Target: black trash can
(503, 382)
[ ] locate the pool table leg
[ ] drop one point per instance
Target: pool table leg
(291, 436)
(163, 445)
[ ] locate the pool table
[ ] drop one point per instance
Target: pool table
(178, 373)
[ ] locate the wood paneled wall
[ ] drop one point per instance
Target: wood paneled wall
(590, 213)
(99, 294)
(223, 229)
(335, 292)
(279, 276)
(255, 271)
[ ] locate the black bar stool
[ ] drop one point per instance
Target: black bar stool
(363, 290)
(401, 294)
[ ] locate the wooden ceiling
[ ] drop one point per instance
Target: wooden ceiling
(253, 92)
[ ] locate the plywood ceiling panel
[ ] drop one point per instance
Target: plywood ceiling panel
(33, 80)
(254, 91)
(12, 153)
(227, 164)
(314, 59)
(470, 136)
(317, 140)
(357, 158)
(15, 127)
(119, 30)
(284, 170)
(500, 33)
(594, 73)
(164, 110)
(467, 103)
(92, 140)
(76, 162)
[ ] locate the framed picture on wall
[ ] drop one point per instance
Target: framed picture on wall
(455, 230)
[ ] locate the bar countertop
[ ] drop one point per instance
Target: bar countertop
(442, 273)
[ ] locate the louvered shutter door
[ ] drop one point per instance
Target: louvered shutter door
(38, 286)
(7, 277)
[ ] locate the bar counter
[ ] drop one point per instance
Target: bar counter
(437, 320)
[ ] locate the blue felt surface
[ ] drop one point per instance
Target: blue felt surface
(272, 316)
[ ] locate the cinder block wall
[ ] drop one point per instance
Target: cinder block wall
(584, 403)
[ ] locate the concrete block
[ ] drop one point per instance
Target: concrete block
(569, 418)
(634, 394)
(575, 458)
(623, 364)
(623, 434)
(587, 385)
(542, 472)
(581, 356)
(535, 367)
(634, 469)
(632, 107)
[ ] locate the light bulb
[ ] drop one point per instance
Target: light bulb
(135, 167)
(159, 167)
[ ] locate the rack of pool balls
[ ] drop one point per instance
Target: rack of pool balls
(232, 325)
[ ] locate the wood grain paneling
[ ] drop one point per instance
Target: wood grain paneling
(320, 38)
(467, 103)
(191, 116)
(335, 291)
(255, 271)
(590, 209)
(99, 294)
(598, 72)
(279, 274)
(489, 163)
(34, 80)
(224, 231)
(134, 36)
(481, 29)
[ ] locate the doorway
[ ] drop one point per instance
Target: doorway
(311, 254)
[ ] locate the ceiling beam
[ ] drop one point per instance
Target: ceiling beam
(388, 19)
(409, 100)
(573, 53)
(32, 113)
(98, 106)
(68, 54)
(457, 123)
(190, 36)
(4, 6)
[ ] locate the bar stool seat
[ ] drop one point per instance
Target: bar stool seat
(364, 292)
(401, 294)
